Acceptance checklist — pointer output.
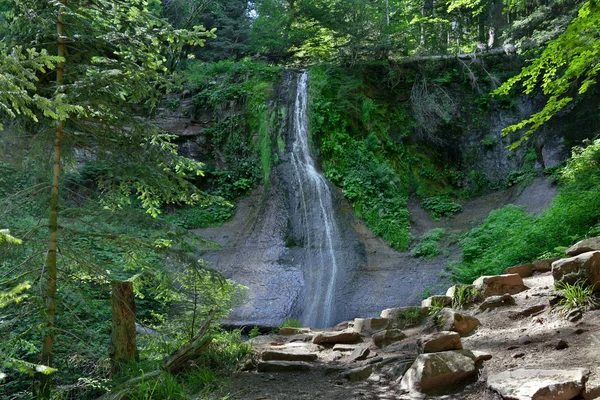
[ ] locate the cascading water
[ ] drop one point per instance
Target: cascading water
(316, 216)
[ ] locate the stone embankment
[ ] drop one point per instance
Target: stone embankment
(502, 337)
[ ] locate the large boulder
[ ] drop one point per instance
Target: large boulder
(463, 324)
(366, 326)
(499, 284)
(584, 267)
(436, 372)
(439, 341)
(584, 246)
(538, 384)
(345, 336)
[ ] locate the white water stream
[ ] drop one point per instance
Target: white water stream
(318, 225)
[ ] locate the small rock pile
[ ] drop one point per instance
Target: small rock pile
(420, 351)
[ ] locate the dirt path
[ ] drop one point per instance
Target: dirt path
(543, 339)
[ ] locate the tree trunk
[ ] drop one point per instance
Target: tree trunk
(43, 381)
(123, 348)
(191, 350)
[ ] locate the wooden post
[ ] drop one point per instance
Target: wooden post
(123, 347)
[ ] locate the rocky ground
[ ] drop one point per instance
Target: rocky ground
(514, 342)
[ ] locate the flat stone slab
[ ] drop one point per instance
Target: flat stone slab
(538, 384)
(282, 366)
(345, 336)
(274, 355)
(439, 341)
(344, 347)
(499, 284)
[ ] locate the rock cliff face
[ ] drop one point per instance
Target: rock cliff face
(267, 247)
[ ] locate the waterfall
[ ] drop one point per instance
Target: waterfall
(317, 225)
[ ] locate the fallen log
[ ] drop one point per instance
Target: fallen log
(191, 350)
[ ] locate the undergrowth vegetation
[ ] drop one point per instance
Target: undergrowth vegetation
(175, 292)
(509, 236)
(366, 149)
(429, 244)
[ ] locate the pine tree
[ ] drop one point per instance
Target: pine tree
(110, 68)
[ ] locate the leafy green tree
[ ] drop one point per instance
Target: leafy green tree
(567, 67)
(110, 66)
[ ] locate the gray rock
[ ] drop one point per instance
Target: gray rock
(497, 301)
(584, 267)
(592, 386)
(435, 372)
(345, 336)
(292, 331)
(538, 384)
(396, 369)
(437, 301)
(464, 325)
(524, 271)
(584, 246)
(360, 353)
(344, 347)
(387, 337)
(561, 345)
(359, 374)
(367, 326)
(499, 284)
(397, 313)
(533, 310)
(274, 355)
(439, 341)
(282, 366)
(574, 315)
(545, 264)
(525, 339)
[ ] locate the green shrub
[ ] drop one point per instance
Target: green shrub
(463, 296)
(201, 217)
(291, 323)
(440, 206)
(254, 332)
(578, 295)
(510, 236)
(428, 245)
(412, 316)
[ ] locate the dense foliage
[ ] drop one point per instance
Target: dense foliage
(510, 236)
